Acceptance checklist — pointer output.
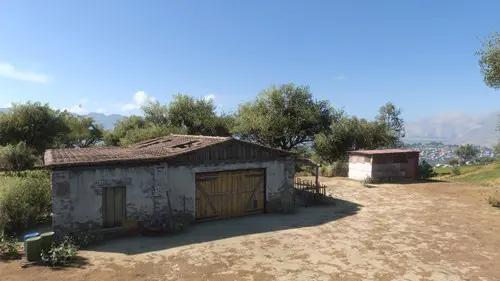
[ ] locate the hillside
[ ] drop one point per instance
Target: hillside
(456, 128)
(108, 121)
(482, 175)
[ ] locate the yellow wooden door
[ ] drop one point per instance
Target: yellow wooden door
(229, 193)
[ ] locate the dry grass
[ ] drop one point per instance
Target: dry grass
(488, 175)
(423, 231)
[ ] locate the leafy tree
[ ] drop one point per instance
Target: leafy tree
(17, 157)
(467, 152)
(121, 129)
(156, 113)
(34, 123)
(194, 116)
(283, 116)
(149, 132)
(350, 133)
(496, 149)
(390, 116)
(489, 60)
(198, 116)
(83, 132)
(454, 162)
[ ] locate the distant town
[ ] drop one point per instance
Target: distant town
(438, 153)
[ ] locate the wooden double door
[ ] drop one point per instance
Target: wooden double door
(230, 193)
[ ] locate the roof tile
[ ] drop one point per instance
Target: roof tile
(154, 149)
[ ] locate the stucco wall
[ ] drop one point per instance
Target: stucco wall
(77, 193)
(360, 171)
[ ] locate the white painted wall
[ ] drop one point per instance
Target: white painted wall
(360, 171)
(81, 206)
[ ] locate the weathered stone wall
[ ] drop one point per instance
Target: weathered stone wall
(77, 192)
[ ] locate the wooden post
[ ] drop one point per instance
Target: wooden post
(317, 178)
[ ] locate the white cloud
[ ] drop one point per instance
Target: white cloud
(340, 77)
(101, 110)
(140, 98)
(9, 71)
(78, 108)
(209, 97)
(9, 105)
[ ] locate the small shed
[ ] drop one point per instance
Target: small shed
(384, 164)
(201, 176)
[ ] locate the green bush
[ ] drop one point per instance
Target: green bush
(322, 170)
(17, 157)
(455, 171)
(329, 171)
(8, 246)
(26, 201)
(60, 253)
(426, 171)
(338, 168)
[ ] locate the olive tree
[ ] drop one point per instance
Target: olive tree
(283, 116)
(489, 60)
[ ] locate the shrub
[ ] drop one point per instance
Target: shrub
(60, 253)
(26, 201)
(494, 200)
(8, 246)
(426, 171)
(455, 171)
(338, 168)
(367, 181)
(17, 157)
(322, 171)
(329, 171)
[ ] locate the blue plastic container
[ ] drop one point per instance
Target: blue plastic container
(27, 236)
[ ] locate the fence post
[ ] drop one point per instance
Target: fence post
(317, 178)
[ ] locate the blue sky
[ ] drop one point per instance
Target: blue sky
(111, 56)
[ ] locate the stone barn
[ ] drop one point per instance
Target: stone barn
(384, 164)
(201, 176)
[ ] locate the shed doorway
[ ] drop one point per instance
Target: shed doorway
(230, 193)
(113, 203)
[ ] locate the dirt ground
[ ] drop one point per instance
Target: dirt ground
(431, 231)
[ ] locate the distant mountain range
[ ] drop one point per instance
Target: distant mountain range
(108, 121)
(455, 128)
(449, 128)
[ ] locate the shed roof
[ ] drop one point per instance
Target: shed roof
(157, 149)
(383, 151)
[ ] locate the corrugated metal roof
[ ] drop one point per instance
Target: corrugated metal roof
(383, 151)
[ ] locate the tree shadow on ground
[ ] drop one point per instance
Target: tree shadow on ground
(330, 209)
